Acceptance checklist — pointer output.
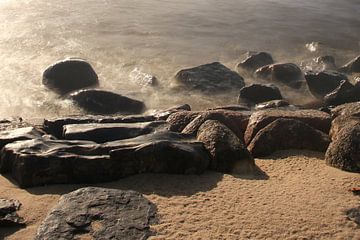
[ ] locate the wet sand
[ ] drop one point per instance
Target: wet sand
(298, 198)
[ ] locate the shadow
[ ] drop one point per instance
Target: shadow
(7, 231)
(257, 174)
(282, 154)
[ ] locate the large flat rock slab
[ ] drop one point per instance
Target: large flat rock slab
(99, 213)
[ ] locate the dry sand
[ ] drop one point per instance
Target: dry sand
(300, 198)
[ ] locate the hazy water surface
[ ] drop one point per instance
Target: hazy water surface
(122, 38)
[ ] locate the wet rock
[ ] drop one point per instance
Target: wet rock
(314, 118)
(234, 120)
(69, 75)
(238, 107)
(344, 93)
(179, 120)
(18, 134)
(164, 114)
(327, 62)
(258, 93)
(8, 215)
(229, 153)
(324, 82)
(212, 77)
(272, 104)
(143, 79)
(255, 60)
(343, 152)
(103, 102)
(352, 67)
(163, 157)
(106, 132)
(287, 73)
(284, 134)
(99, 213)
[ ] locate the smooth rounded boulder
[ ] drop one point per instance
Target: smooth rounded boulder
(69, 75)
(258, 93)
(103, 102)
(255, 60)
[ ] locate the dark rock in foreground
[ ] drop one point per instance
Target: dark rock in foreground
(255, 60)
(229, 153)
(258, 93)
(8, 215)
(212, 77)
(103, 102)
(352, 67)
(314, 118)
(99, 213)
(284, 134)
(324, 82)
(70, 75)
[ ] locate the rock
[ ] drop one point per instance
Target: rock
(103, 102)
(164, 114)
(284, 134)
(314, 118)
(13, 123)
(163, 157)
(229, 153)
(286, 73)
(343, 121)
(347, 109)
(106, 132)
(324, 82)
(179, 120)
(327, 62)
(344, 93)
(272, 104)
(258, 93)
(255, 60)
(238, 107)
(18, 134)
(212, 77)
(343, 152)
(99, 213)
(8, 215)
(352, 67)
(143, 79)
(236, 121)
(69, 75)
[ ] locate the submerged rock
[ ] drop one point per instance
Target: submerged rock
(8, 215)
(258, 93)
(229, 153)
(324, 82)
(352, 67)
(103, 102)
(255, 60)
(283, 134)
(287, 73)
(212, 77)
(99, 213)
(69, 75)
(314, 118)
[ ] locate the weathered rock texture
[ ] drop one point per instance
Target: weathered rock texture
(8, 215)
(99, 213)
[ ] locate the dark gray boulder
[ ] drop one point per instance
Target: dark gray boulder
(212, 77)
(97, 101)
(255, 60)
(352, 67)
(343, 152)
(284, 134)
(228, 152)
(344, 93)
(258, 93)
(69, 75)
(287, 73)
(322, 83)
(8, 215)
(99, 213)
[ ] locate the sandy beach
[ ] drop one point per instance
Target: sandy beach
(298, 198)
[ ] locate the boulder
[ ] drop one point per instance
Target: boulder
(327, 62)
(347, 109)
(69, 75)
(18, 134)
(103, 102)
(343, 152)
(352, 67)
(228, 152)
(237, 107)
(287, 73)
(344, 93)
(179, 120)
(260, 119)
(283, 134)
(258, 93)
(164, 114)
(255, 60)
(272, 104)
(342, 121)
(8, 215)
(212, 77)
(106, 132)
(324, 82)
(99, 213)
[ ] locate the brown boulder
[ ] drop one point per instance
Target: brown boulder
(347, 109)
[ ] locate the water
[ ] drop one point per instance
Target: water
(158, 37)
